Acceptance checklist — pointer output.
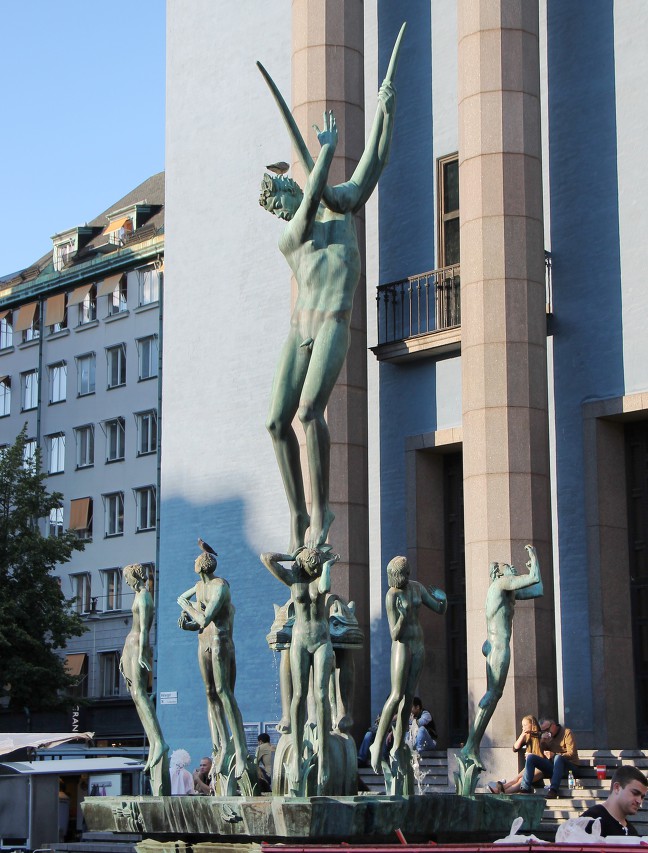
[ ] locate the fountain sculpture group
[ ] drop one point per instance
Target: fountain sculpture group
(314, 784)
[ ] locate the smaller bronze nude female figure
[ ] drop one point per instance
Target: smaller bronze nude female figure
(135, 665)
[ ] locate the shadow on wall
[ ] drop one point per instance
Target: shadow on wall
(588, 344)
(222, 525)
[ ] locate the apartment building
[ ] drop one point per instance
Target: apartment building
(80, 365)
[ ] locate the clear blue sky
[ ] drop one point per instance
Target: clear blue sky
(82, 114)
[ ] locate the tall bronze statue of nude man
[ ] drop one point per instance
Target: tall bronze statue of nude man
(506, 587)
(321, 246)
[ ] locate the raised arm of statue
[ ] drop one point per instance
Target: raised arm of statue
(272, 562)
(434, 598)
(352, 195)
(324, 584)
(316, 183)
(535, 589)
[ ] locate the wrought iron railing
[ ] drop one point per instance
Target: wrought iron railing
(428, 302)
(420, 304)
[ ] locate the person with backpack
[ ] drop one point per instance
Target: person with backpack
(422, 731)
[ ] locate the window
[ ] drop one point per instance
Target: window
(448, 196)
(119, 230)
(114, 509)
(86, 369)
(62, 254)
(146, 507)
(112, 584)
(84, 437)
(88, 307)
(115, 439)
(147, 349)
(109, 674)
(29, 453)
(56, 453)
(5, 396)
(81, 517)
(57, 382)
(146, 432)
(6, 330)
(116, 357)
(32, 331)
(56, 522)
(29, 383)
(148, 286)
(81, 590)
(118, 298)
(77, 666)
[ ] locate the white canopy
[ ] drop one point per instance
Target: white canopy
(71, 766)
(11, 742)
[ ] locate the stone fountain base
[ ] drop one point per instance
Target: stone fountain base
(443, 817)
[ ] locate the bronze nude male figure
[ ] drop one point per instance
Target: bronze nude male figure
(402, 602)
(309, 579)
(211, 614)
(506, 587)
(320, 245)
(135, 665)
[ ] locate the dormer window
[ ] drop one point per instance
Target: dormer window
(119, 230)
(63, 253)
(66, 244)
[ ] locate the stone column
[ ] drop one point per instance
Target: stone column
(504, 346)
(328, 74)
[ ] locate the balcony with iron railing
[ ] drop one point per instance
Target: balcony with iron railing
(423, 312)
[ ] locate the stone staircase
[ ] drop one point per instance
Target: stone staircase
(593, 790)
(434, 768)
(434, 775)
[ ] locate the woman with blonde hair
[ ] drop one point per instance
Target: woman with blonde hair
(528, 741)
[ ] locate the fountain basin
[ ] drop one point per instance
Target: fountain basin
(445, 817)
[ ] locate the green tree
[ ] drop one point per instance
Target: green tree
(35, 616)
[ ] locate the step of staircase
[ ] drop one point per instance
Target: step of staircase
(592, 791)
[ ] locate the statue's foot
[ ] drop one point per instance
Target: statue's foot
(471, 756)
(319, 529)
(345, 723)
(374, 754)
(218, 761)
(299, 524)
(283, 726)
(157, 752)
(322, 780)
(241, 765)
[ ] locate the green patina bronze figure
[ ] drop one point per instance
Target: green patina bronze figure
(311, 650)
(402, 602)
(506, 587)
(212, 616)
(135, 665)
(321, 246)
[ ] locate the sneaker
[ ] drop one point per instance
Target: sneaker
(551, 794)
(525, 791)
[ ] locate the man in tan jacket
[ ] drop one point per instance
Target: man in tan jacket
(560, 756)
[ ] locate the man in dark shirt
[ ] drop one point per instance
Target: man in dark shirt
(627, 790)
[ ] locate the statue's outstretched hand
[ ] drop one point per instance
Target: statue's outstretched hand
(387, 98)
(329, 135)
(144, 663)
